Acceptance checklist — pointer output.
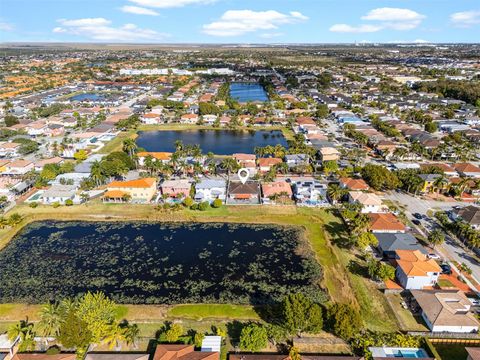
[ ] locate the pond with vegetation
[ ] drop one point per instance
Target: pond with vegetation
(158, 263)
(220, 142)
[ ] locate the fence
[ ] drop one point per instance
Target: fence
(444, 336)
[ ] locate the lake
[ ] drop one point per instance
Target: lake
(152, 263)
(87, 97)
(245, 92)
(220, 142)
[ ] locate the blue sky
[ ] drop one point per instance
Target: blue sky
(240, 21)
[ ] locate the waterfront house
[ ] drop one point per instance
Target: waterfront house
(246, 160)
(248, 193)
(385, 223)
(370, 202)
(446, 311)
(176, 188)
(265, 164)
(138, 191)
(389, 243)
(210, 189)
(182, 352)
(415, 270)
(58, 193)
(151, 118)
(310, 193)
(296, 160)
(276, 191)
(191, 118)
(163, 157)
(386, 352)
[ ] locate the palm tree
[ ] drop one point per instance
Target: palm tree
(400, 152)
(230, 164)
(24, 330)
(115, 335)
(129, 146)
(439, 183)
(131, 335)
(50, 320)
(335, 192)
(96, 173)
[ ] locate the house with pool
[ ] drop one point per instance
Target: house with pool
(137, 191)
(210, 190)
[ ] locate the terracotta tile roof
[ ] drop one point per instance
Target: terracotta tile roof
(276, 187)
(466, 167)
(19, 163)
(138, 183)
(354, 184)
(415, 263)
(156, 155)
(239, 156)
(473, 352)
(269, 161)
(43, 356)
(182, 352)
(114, 194)
(386, 222)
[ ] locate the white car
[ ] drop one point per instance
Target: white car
(433, 256)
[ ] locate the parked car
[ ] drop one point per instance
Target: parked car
(434, 256)
(417, 216)
(446, 269)
(416, 222)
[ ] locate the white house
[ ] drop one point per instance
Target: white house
(370, 202)
(415, 270)
(210, 189)
(59, 193)
(310, 193)
(446, 311)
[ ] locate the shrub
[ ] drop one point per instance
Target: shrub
(253, 337)
(194, 206)
(188, 202)
(53, 350)
(217, 203)
(56, 204)
(33, 205)
(345, 320)
(203, 206)
(69, 202)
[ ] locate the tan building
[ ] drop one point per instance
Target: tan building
(139, 190)
(329, 154)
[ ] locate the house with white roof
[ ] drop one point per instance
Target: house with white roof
(210, 189)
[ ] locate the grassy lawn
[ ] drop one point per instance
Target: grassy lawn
(445, 283)
(407, 321)
(212, 311)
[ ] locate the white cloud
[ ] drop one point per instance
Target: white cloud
(239, 22)
(4, 26)
(99, 29)
(465, 18)
(344, 28)
(137, 10)
(387, 18)
(171, 3)
(271, 35)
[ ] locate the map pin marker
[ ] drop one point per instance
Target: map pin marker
(243, 174)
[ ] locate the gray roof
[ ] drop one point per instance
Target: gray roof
(60, 191)
(211, 183)
(398, 241)
(84, 167)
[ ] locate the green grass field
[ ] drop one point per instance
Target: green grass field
(213, 311)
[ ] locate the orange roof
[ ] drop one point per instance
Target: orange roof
(244, 156)
(156, 155)
(114, 194)
(151, 115)
(189, 116)
(466, 167)
(276, 187)
(138, 183)
(185, 352)
(415, 263)
(354, 184)
(387, 221)
(269, 161)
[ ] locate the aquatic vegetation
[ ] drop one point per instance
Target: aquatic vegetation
(168, 263)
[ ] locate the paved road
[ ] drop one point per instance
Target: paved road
(450, 249)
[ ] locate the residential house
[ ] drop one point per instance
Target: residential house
(415, 270)
(189, 118)
(354, 184)
(467, 170)
(59, 193)
(469, 214)
(163, 157)
(473, 353)
(138, 191)
(446, 311)
(151, 118)
(246, 161)
(329, 154)
(248, 193)
(176, 188)
(9, 149)
(265, 164)
(297, 160)
(310, 193)
(18, 167)
(389, 243)
(276, 190)
(210, 189)
(429, 181)
(41, 163)
(385, 223)
(182, 352)
(116, 356)
(37, 128)
(370, 202)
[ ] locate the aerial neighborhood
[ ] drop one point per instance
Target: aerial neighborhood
(209, 203)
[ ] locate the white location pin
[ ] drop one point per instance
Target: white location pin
(243, 174)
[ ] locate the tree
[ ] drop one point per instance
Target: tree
(436, 237)
(293, 354)
(379, 270)
(188, 201)
(116, 334)
(50, 320)
(74, 333)
(322, 111)
(301, 314)
(366, 239)
(253, 337)
(230, 165)
(379, 177)
(10, 120)
(80, 155)
(15, 219)
(329, 167)
(344, 320)
(173, 333)
(131, 335)
(217, 203)
(431, 127)
(129, 146)
(335, 192)
(24, 330)
(203, 206)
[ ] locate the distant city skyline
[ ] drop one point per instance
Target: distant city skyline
(240, 21)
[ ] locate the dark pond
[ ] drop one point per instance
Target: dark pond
(87, 97)
(164, 263)
(245, 92)
(221, 142)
